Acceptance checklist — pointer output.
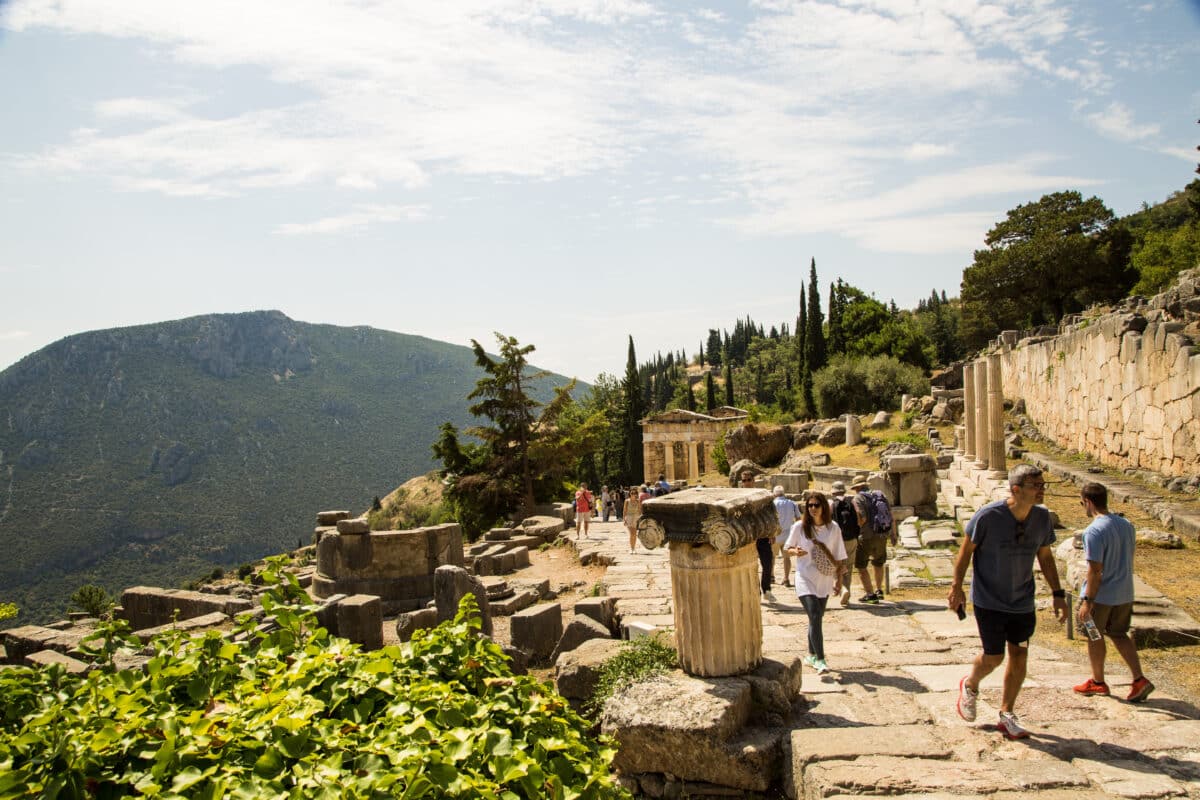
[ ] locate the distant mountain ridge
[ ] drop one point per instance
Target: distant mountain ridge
(152, 453)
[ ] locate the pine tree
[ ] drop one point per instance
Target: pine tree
(710, 391)
(631, 415)
(801, 333)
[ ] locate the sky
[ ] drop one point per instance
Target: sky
(568, 172)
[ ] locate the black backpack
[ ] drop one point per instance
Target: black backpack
(846, 518)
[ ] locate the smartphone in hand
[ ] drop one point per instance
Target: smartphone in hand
(961, 611)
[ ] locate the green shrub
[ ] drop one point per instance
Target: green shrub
(244, 571)
(297, 713)
(8, 611)
(92, 599)
(861, 385)
(720, 460)
(638, 660)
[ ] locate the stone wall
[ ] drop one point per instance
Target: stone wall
(396, 566)
(1121, 387)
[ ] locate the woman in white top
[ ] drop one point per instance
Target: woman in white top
(816, 531)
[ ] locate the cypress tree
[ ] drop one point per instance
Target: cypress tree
(814, 341)
(631, 414)
(728, 381)
(801, 333)
(837, 343)
(710, 391)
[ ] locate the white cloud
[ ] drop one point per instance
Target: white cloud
(9, 336)
(1186, 153)
(1116, 122)
(922, 151)
(355, 221)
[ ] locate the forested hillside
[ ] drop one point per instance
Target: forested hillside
(156, 453)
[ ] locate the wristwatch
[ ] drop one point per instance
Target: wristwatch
(1086, 599)
(1059, 594)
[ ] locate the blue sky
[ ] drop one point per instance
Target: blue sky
(569, 172)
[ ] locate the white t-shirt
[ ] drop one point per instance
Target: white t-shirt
(808, 579)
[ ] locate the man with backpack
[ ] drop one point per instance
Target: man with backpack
(844, 514)
(875, 531)
(788, 513)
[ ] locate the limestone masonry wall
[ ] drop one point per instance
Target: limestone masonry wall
(1123, 387)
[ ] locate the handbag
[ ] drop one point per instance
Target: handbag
(823, 560)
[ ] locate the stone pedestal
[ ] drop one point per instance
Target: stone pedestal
(718, 623)
(853, 429)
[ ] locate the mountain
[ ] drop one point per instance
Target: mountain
(153, 454)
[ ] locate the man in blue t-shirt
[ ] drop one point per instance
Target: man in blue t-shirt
(1002, 541)
(1108, 546)
(787, 512)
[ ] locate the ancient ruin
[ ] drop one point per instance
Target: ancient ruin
(679, 443)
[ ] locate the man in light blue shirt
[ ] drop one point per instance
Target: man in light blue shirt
(1107, 599)
(787, 512)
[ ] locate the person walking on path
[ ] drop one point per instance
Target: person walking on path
(632, 513)
(872, 545)
(606, 502)
(584, 503)
(787, 512)
(846, 517)
(1108, 545)
(766, 552)
(1002, 540)
(816, 544)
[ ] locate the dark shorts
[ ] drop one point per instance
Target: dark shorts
(1113, 620)
(996, 628)
(871, 549)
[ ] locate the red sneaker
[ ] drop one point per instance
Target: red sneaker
(1090, 687)
(1140, 690)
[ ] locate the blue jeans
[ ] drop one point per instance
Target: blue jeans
(815, 608)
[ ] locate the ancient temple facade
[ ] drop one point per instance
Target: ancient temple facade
(679, 443)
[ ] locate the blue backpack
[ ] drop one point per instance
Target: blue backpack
(881, 518)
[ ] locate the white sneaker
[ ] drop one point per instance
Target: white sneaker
(846, 596)
(768, 597)
(811, 661)
(1010, 726)
(821, 666)
(966, 701)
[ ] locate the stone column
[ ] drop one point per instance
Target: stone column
(969, 410)
(646, 451)
(693, 462)
(714, 573)
(981, 416)
(669, 460)
(995, 415)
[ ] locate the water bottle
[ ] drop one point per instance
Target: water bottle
(1089, 627)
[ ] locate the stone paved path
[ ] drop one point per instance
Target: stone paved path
(884, 721)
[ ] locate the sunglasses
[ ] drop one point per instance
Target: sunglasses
(812, 505)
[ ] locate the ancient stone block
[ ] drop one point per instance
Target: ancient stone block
(410, 622)
(360, 619)
(330, 518)
(579, 630)
(909, 463)
(577, 671)
(353, 526)
(918, 488)
(600, 609)
(537, 630)
(514, 603)
(44, 658)
(450, 584)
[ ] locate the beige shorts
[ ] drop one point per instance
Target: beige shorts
(1113, 620)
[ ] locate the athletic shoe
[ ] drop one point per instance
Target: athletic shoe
(846, 596)
(768, 597)
(1092, 687)
(966, 701)
(811, 661)
(1010, 726)
(872, 599)
(820, 666)
(1140, 690)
